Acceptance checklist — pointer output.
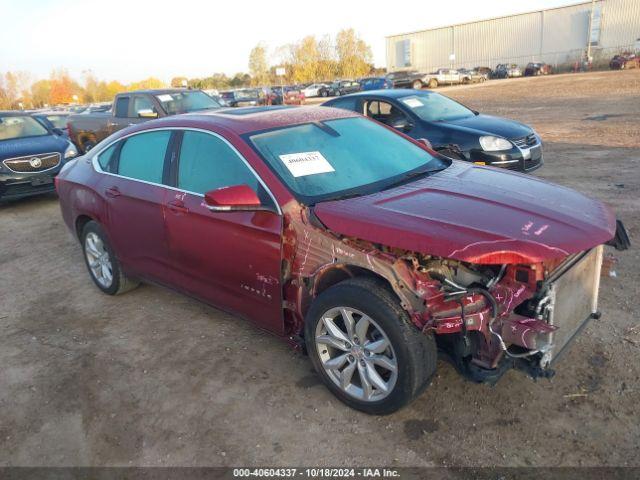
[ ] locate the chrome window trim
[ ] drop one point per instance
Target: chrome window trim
(28, 157)
(98, 168)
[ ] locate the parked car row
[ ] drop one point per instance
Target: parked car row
(400, 79)
(625, 61)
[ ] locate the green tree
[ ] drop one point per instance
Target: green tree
(240, 80)
(63, 88)
(112, 89)
(178, 82)
(258, 67)
(146, 84)
(354, 55)
(327, 64)
(13, 86)
(305, 60)
(40, 93)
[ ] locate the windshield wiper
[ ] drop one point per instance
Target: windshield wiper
(407, 177)
(345, 196)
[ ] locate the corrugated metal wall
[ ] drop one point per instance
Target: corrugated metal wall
(620, 23)
(556, 36)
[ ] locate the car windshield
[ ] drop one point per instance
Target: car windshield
(433, 107)
(18, 126)
(243, 94)
(184, 102)
(340, 158)
(58, 121)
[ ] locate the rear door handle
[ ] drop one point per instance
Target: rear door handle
(177, 206)
(112, 192)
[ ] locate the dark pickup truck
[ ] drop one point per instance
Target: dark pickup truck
(87, 129)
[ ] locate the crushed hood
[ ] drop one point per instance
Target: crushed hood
(475, 214)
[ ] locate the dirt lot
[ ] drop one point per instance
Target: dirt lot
(155, 378)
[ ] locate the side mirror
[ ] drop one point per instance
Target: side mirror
(147, 113)
(234, 198)
(58, 131)
(401, 124)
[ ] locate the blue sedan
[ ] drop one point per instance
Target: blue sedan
(451, 128)
(31, 155)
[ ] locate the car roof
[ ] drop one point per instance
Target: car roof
(393, 93)
(252, 119)
(52, 112)
(14, 113)
(160, 91)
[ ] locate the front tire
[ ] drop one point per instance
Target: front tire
(433, 83)
(365, 349)
(417, 85)
(101, 262)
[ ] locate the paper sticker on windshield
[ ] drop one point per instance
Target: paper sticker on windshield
(413, 102)
(306, 163)
(165, 98)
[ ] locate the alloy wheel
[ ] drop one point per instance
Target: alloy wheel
(98, 259)
(356, 354)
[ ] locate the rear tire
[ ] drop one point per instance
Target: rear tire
(417, 85)
(390, 363)
(433, 83)
(102, 263)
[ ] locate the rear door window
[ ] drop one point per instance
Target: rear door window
(207, 163)
(347, 103)
(122, 107)
(106, 159)
(142, 157)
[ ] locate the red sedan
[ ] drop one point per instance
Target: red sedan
(353, 242)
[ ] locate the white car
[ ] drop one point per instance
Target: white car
(312, 90)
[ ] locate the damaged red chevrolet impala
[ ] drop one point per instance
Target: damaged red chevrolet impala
(351, 241)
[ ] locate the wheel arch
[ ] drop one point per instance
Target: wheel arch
(80, 222)
(334, 273)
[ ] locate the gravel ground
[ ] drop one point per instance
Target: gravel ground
(155, 378)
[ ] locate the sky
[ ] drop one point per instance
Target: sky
(128, 40)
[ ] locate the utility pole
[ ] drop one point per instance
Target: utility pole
(593, 6)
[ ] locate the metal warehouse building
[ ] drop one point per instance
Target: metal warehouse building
(558, 36)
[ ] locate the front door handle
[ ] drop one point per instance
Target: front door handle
(112, 192)
(177, 206)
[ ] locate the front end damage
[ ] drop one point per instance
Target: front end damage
(486, 318)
